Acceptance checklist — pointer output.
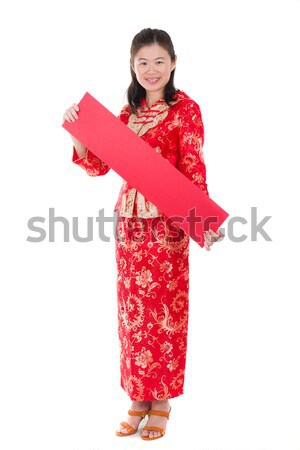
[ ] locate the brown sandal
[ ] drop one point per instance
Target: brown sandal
(153, 428)
(130, 429)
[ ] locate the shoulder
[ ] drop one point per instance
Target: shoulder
(187, 110)
(184, 101)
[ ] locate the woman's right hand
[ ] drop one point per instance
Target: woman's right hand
(70, 114)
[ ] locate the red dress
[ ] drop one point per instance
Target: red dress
(152, 256)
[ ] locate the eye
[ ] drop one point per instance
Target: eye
(159, 62)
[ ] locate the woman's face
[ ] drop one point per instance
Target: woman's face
(153, 66)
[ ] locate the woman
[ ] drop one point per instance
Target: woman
(152, 256)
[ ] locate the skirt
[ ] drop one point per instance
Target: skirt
(152, 258)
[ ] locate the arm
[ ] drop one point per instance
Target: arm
(191, 139)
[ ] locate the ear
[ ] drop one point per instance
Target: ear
(173, 64)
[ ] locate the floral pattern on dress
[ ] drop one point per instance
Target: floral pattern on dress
(152, 292)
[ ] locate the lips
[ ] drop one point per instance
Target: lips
(152, 80)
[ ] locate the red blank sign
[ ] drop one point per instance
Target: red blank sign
(144, 169)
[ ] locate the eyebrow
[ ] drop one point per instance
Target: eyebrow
(144, 59)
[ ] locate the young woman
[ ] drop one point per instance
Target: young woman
(152, 257)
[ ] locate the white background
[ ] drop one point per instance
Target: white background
(59, 350)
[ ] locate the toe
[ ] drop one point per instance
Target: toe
(123, 430)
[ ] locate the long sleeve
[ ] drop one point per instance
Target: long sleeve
(90, 163)
(191, 139)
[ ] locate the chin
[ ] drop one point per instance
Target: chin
(153, 88)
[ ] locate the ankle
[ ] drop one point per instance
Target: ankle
(160, 404)
(140, 405)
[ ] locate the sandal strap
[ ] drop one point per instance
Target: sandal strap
(155, 412)
(138, 413)
(152, 428)
(129, 427)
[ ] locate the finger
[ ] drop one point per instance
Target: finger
(207, 247)
(69, 115)
(66, 117)
(75, 106)
(74, 113)
(207, 242)
(220, 234)
(208, 237)
(213, 234)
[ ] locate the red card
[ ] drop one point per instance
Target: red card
(151, 174)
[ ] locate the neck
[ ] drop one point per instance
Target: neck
(153, 97)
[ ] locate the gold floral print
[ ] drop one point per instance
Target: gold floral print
(90, 163)
(153, 317)
(148, 118)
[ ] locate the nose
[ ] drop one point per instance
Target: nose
(151, 68)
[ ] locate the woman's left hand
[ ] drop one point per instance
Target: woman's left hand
(210, 237)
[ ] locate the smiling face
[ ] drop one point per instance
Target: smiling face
(152, 65)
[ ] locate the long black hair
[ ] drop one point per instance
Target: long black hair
(148, 36)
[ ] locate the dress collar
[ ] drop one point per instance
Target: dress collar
(178, 96)
(158, 102)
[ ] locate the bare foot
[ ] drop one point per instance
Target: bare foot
(135, 420)
(157, 421)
